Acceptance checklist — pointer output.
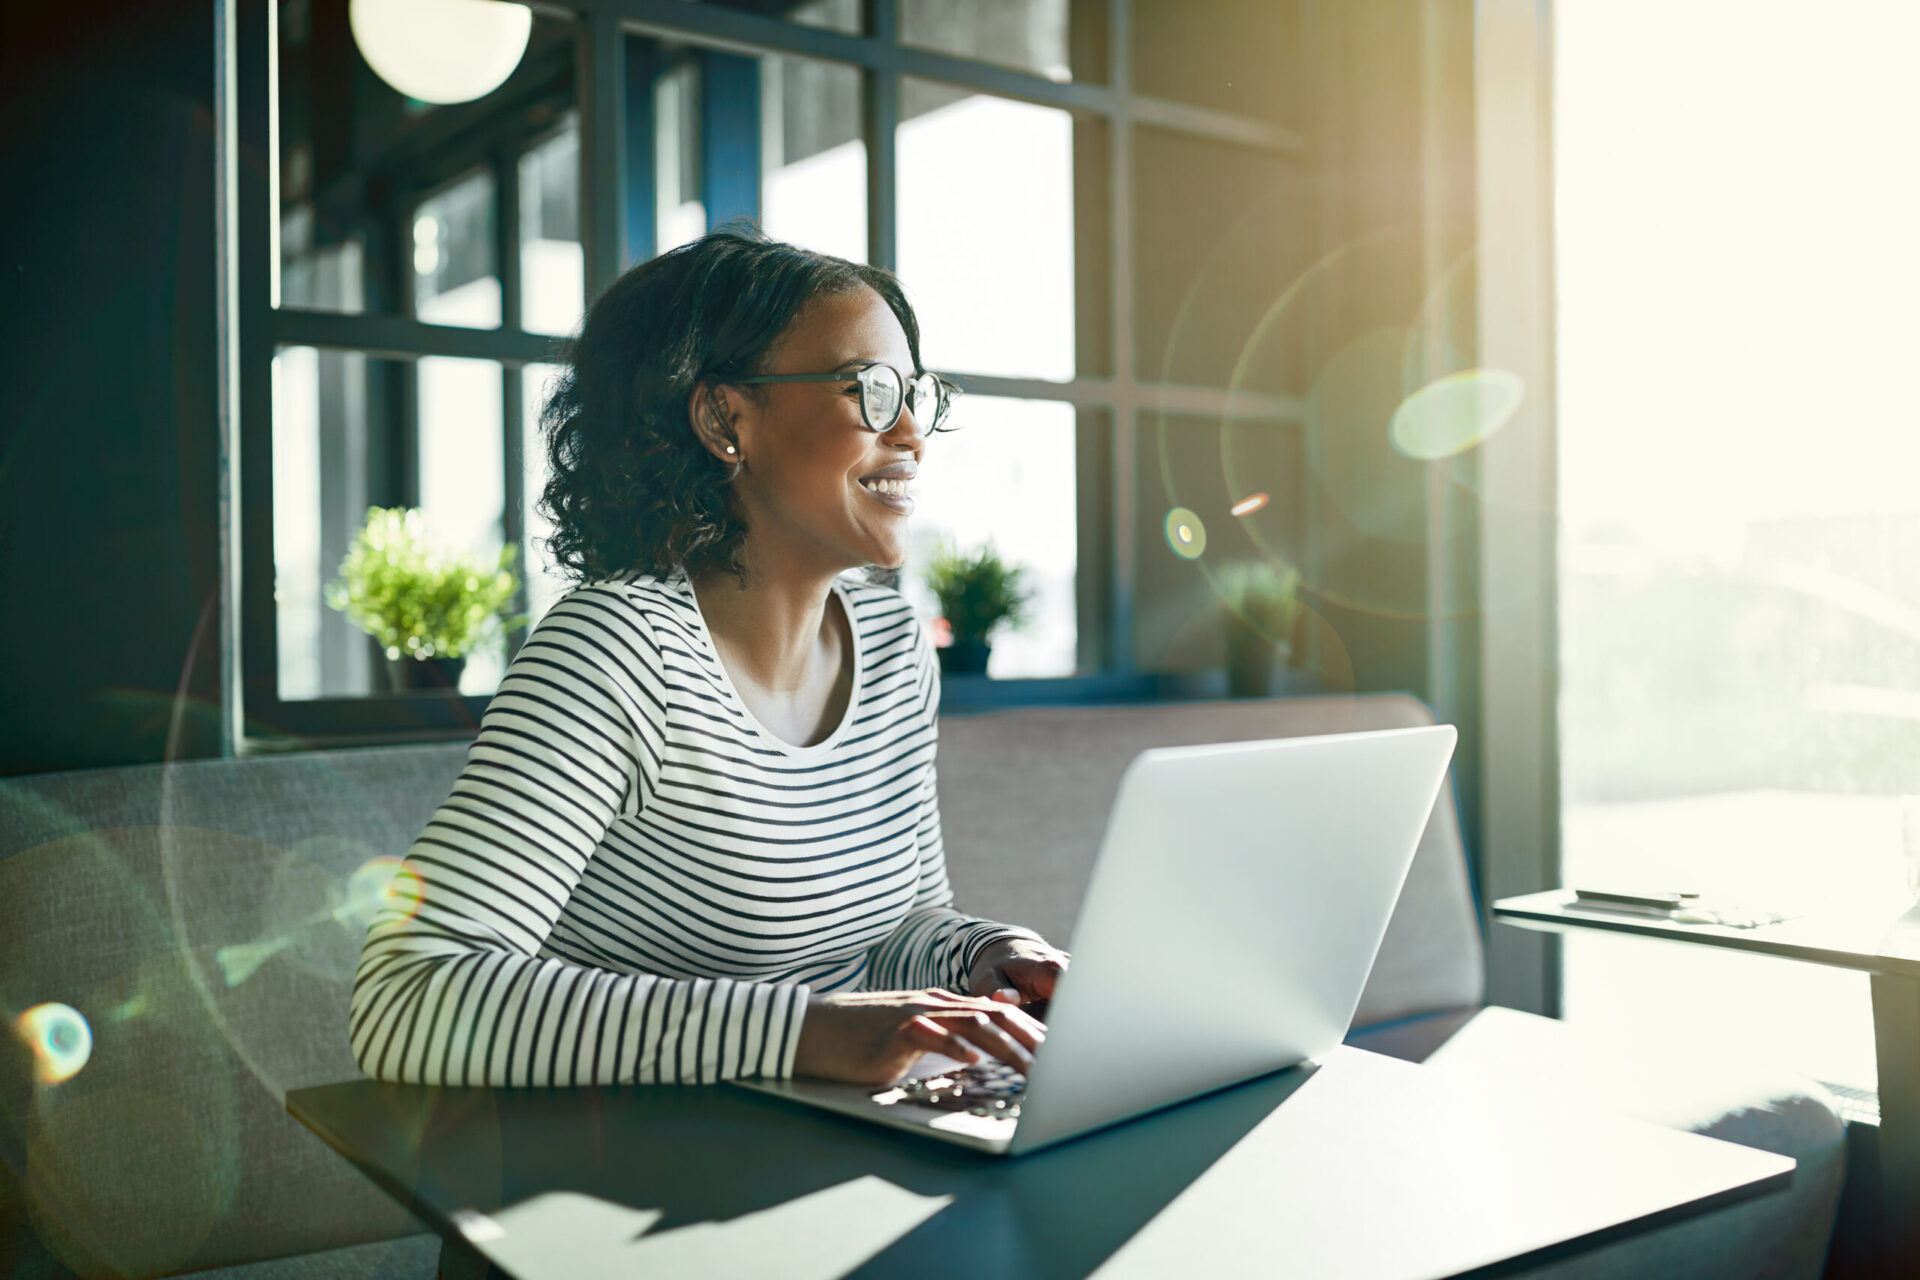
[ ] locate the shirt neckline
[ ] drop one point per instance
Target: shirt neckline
(684, 585)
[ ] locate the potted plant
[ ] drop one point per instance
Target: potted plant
(1263, 602)
(428, 607)
(976, 593)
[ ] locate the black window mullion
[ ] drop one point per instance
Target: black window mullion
(881, 91)
(603, 150)
(253, 235)
(1121, 564)
(506, 224)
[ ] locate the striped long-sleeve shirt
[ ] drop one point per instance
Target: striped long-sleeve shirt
(634, 880)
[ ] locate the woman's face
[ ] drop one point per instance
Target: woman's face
(806, 449)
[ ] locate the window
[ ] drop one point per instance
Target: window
(422, 261)
(1738, 576)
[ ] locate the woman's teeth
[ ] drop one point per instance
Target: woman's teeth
(893, 488)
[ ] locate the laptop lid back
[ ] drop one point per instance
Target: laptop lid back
(1240, 896)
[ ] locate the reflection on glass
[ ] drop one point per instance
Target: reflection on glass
(321, 424)
(1007, 475)
(986, 230)
(462, 481)
(834, 15)
(773, 138)
(679, 215)
(813, 159)
(454, 278)
(1028, 35)
(355, 158)
(318, 277)
(1251, 66)
(552, 268)
(544, 582)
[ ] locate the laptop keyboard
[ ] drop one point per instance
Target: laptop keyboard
(983, 1089)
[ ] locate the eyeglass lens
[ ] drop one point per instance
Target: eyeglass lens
(880, 396)
(926, 402)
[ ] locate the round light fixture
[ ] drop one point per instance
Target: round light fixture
(441, 50)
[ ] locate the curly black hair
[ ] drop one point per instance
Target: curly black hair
(630, 487)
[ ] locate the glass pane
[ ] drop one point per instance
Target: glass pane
(1739, 579)
(986, 230)
(462, 475)
(1224, 277)
(335, 444)
(771, 138)
(813, 159)
(326, 425)
(1028, 35)
(356, 157)
(1006, 476)
(552, 267)
(680, 214)
(1211, 494)
(455, 280)
(1227, 55)
(835, 15)
(544, 583)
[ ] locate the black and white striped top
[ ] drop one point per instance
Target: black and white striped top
(633, 880)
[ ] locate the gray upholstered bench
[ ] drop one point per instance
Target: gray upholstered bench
(196, 915)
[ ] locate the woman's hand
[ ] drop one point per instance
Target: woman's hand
(1017, 971)
(872, 1037)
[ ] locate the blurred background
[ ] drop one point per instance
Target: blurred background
(1558, 348)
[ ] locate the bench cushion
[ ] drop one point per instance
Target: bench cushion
(188, 912)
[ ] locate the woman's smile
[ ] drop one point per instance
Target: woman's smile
(889, 486)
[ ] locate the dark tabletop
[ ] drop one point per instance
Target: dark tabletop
(1358, 1166)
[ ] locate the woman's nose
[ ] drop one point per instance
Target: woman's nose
(906, 428)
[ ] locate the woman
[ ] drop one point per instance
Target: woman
(698, 834)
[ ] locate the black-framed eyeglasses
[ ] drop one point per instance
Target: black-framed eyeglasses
(884, 393)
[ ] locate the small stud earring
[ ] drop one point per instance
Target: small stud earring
(729, 448)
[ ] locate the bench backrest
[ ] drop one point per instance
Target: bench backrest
(1024, 796)
(195, 915)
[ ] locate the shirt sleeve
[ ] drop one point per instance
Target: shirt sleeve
(450, 988)
(935, 946)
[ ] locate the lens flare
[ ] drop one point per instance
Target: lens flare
(380, 883)
(1451, 415)
(238, 962)
(1186, 535)
(60, 1039)
(1249, 504)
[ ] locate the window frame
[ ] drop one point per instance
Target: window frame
(617, 215)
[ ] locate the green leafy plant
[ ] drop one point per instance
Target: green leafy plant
(1264, 595)
(417, 599)
(977, 591)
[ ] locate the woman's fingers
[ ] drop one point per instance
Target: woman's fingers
(924, 1034)
(985, 1032)
(1036, 978)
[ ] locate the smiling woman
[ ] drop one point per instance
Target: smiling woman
(698, 835)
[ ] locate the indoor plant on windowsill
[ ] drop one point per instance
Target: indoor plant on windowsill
(976, 593)
(428, 607)
(1262, 599)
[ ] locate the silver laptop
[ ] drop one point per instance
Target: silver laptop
(1239, 899)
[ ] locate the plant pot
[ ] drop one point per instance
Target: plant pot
(1253, 661)
(964, 657)
(407, 675)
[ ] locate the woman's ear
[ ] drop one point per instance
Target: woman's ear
(710, 412)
